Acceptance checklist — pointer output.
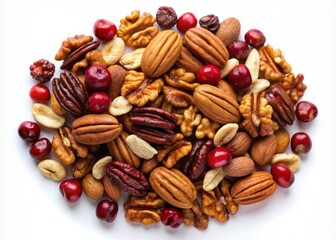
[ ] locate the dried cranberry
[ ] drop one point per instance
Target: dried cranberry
(210, 22)
(172, 217)
(39, 93)
(42, 70)
(186, 21)
(71, 189)
(99, 102)
(40, 149)
(166, 17)
(29, 131)
(282, 175)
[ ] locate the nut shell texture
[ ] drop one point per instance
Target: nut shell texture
(94, 129)
(173, 187)
(161, 53)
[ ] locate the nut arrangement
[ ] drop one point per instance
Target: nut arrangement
(191, 123)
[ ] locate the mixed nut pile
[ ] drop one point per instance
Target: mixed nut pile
(190, 122)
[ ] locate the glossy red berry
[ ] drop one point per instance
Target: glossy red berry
(99, 102)
(104, 29)
(306, 111)
(282, 175)
(71, 189)
(42, 70)
(106, 210)
(240, 77)
(97, 78)
(209, 74)
(40, 149)
(219, 157)
(186, 21)
(29, 131)
(39, 93)
(255, 38)
(172, 217)
(239, 50)
(301, 143)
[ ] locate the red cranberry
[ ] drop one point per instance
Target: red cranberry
(97, 78)
(239, 50)
(301, 143)
(172, 217)
(29, 131)
(40, 149)
(306, 111)
(107, 210)
(104, 29)
(71, 189)
(209, 74)
(186, 21)
(39, 93)
(99, 102)
(255, 38)
(240, 76)
(42, 70)
(219, 157)
(282, 175)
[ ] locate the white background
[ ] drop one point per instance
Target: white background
(31, 206)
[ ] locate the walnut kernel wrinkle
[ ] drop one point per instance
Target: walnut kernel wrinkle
(166, 17)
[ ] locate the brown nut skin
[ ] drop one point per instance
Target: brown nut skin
(161, 53)
(206, 46)
(283, 107)
(263, 149)
(83, 166)
(111, 189)
(240, 144)
(94, 129)
(118, 75)
(177, 98)
(92, 187)
(121, 152)
(216, 104)
(70, 93)
(254, 188)
(128, 178)
(228, 31)
(282, 138)
(70, 44)
(188, 61)
(195, 164)
(173, 187)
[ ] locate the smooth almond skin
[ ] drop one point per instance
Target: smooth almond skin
(239, 167)
(263, 149)
(216, 104)
(228, 31)
(254, 188)
(161, 53)
(173, 187)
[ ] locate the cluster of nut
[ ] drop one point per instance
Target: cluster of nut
(162, 123)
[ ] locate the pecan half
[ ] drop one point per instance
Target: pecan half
(154, 125)
(188, 61)
(257, 114)
(195, 164)
(283, 107)
(79, 54)
(121, 152)
(70, 93)
(71, 44)
(173, 187)
(207, 46)
(138, 89)
(94, 129)
(254, 188)
(128, 178)
(146, 210)
(83, 166)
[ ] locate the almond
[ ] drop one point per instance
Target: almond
(228, 30)
(263, 149)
